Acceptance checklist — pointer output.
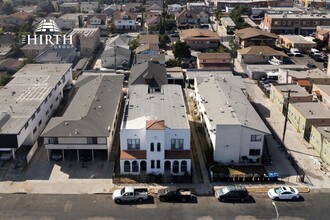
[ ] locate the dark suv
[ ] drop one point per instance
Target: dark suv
(232, 193)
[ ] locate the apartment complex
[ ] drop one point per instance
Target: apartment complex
(87, 39)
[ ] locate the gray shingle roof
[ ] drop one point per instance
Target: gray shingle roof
(149, 73)
(92, 109)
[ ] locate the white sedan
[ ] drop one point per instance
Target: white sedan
(284, 192)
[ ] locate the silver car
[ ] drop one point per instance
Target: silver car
(284, 192)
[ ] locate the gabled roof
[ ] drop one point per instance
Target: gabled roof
(185, 13)
(11, 63)
(6, 39)
(261, 51)
(148, 39)
(153, 20)
(218, 56)
(198, 33)
(19, 15)
(149, 73)
(155, 6)
(146, 47)
(253, 32)
(119, 15)
(133, 154)
(102, 17)
(155, 125)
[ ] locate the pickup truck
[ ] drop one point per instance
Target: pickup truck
(295, 52)
(173, 194)
(130, 194)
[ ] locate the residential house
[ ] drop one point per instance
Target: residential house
(149, 39)
(234, 129)
(156, 8)
(57, 55)
(186, 19)
(256, 72)
(219, 61)
(197, 7)
(223, 5)
(303, 115)
(254, 37)
(148, 73)
(70, 21)
(322, 33)
(279, 95)
(200, 39)
(86, 39)
(14, 21)
(320, 141)
(201, 74)
(87, 126)
(315, 4)
(152, 21)
(29, 101)
(158, 58)
(158, 2)
(203, 17)
(124, 20)
(174, 8)
(296, 24)
(90, 7)
(70, 7)
(10, 65)
(97, 21)
(147, 49)
(258, 54)
(116, 52)
(155, 132)
(322, 93)
(305, 78)
(32, 50)
(296, 41)
(6, 42)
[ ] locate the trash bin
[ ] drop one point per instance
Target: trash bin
(272, 176)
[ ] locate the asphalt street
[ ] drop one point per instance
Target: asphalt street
(27, 206)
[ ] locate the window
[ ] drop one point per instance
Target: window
(254, 152)
(175, 167)
(184, 166)
(176, 144)
(33, 116)
(39, 122)
(152, 147)
(256, 137)
(135, 166)
(158, 164)
(133, 144)
(38, 109)
(46, 99)
(152, 164)
(158, 146)
(34, 130)
(51, 106)
(53, 140)
(127, 166)
(26, 125)
(47, 112)
(91, 140)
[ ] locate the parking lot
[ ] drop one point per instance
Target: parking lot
(305, 59)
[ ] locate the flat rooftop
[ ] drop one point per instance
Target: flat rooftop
(167, 105)
(313, 73)
(298, 39)
(225, 103)
(92, 109)
(312, 110)
(324, 88)
(298, 16)
(265, 68)
(196, 73)
(86, 32)
(325, 131)
(23, 95)
(299, 91)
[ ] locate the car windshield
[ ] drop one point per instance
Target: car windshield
(225, 190)
(278, 190)
(292, 189)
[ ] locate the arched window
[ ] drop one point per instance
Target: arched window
(127, 166)
(184, 166)
(158, 146)
(175, 167)
(152, 147)
(135, 166)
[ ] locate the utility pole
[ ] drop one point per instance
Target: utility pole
(286, 113)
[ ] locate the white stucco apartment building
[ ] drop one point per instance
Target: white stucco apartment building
(155, 133)
(233, 127)
(28, 101)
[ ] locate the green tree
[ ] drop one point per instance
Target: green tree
(134, 44)
(173, 62)
(163, 41)
(181, 50)
(236, 15)
(4, 79)
(170, 25)
(7, 8)
(233, 48)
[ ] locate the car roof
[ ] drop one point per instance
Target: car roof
(236, 188)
